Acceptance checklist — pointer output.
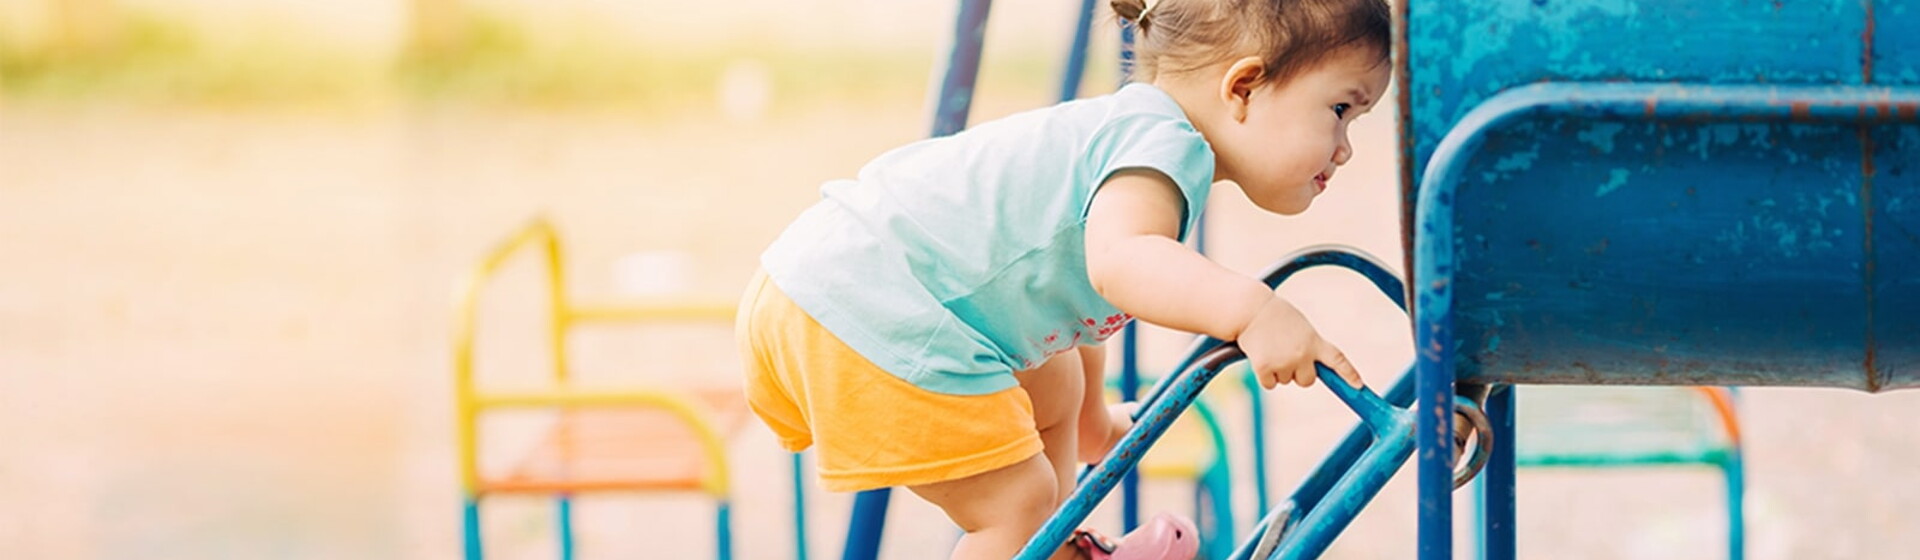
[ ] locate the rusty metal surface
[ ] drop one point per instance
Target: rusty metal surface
(1773, 244)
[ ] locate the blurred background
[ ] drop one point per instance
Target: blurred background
(230, 233)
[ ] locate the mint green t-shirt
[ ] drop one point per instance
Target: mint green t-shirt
(953, 262)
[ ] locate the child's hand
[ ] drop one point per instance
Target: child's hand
(1282, 346)
(1119, 418)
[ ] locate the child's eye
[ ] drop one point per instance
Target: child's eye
(1340, 109)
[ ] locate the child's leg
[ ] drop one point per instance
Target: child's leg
(1001, 510)
(1056, 389)
(1101, 424)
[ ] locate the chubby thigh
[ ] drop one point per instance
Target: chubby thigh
(869, 428)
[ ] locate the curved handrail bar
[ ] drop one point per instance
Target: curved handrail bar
(1433, 244)
(1350, 258)
(1156, 416)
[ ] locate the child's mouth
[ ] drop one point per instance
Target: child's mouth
(1320, 183)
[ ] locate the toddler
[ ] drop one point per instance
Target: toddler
(934, 322)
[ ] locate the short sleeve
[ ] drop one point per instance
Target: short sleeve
(1158, 141)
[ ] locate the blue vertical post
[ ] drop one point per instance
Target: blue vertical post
(1433, 384)
(723, 530)
(963, 68)
(799, 508)
(563, 517)
(1076, 69)
(1129, 336)
(1433, 422)
(1130, 391)
(1256, 410)
(950, 106)
(470, 527)
(1736, 505)
(1497, 480)
(869, 519)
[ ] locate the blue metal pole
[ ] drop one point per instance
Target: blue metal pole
(1311, 491)
(563, 512)
(723, 529)
(1076, 70)
(1353, 491)
(470, 527)
(1354, 488)
(1218, 485)
(1130, 391)
(869, 520)
(1400, 394)
(1215, 482)
(1497, 481)
(1736, 505)
(1129, 362)
(1433, 251)
(1736, 473)
(1433, 410)
(950, 107)
(1256, 409)
(1155, 417)
(799, 507)
(963, 68)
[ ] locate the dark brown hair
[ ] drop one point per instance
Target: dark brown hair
(1288, 35)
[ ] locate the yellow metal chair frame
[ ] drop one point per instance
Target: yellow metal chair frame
(697, 424)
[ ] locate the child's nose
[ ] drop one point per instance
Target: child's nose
(1343, 151)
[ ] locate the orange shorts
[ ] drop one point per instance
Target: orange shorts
(871, 429)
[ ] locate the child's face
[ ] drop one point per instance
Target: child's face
(1294, 134)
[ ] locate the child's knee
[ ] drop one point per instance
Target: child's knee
(1056, 390)
(1019, 496)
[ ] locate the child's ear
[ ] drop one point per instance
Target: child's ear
(1236, 87)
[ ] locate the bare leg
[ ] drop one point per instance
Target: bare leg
(1056, 388)
(1001, 509)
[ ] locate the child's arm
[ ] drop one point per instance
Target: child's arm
(1135, 262)
(1101, 426)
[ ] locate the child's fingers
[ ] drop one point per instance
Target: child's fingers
(1337, 361)
(1270, 379)
(1305, 374)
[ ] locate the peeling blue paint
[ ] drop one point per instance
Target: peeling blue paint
(1617, 178)
(1518, 161)
(1763, 241)
(1600, 135)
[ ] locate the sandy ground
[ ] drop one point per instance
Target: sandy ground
(227, 336)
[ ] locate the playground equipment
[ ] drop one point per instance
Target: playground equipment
(1197, 455)
(1723, 199)
(1595, 192)
(952, 102)
(1626, 427)
(1660, 218)
(637, 440)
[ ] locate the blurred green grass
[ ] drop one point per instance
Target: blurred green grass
(156, 59)
(497, 61)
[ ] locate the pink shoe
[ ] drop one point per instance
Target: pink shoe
(1166, 537)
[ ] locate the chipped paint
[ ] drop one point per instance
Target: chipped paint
(1866, 42)
(1730, 195)
(1616, 179)
(1600, 135)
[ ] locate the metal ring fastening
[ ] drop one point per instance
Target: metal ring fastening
(1482, 442)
